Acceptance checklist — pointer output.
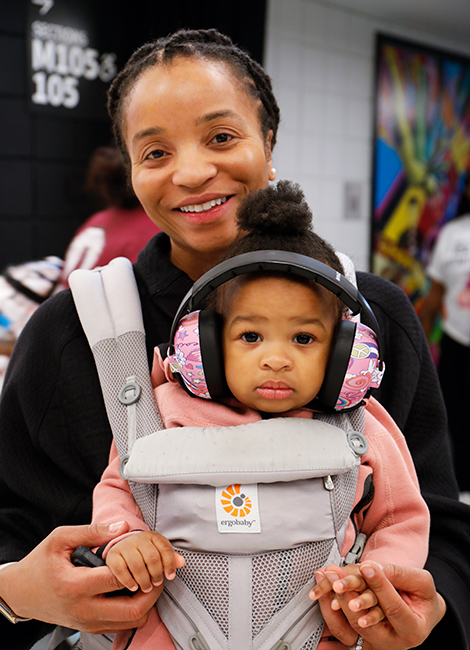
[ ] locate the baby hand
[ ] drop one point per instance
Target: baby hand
(142, 559)
(348, 578)
(347, 581)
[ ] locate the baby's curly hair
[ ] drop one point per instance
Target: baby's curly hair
(279, 218)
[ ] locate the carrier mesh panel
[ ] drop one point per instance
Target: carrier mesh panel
(207, 576)
(278, 576)
(313, 641)
(351, 421)
(129, 352)
(127, 355)
(342, 497)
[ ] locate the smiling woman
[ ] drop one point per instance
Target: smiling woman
(192, 165)
(197, 120)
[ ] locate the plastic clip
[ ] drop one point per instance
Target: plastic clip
(358, 442)
(354, 554)
(129, 393)
(122, 466)
(198, 642)
(281, 645)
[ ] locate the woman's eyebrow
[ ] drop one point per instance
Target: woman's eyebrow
(153, 130)
(217, 115)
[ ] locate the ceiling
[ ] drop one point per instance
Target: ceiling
(444, 18)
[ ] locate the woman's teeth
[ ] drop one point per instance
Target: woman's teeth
(203, 207)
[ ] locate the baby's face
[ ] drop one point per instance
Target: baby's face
(277, 337)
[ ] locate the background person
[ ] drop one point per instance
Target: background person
(119, 229)
(449, 297)
(198, 120)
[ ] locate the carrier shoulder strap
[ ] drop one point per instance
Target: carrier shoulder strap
(108, 305)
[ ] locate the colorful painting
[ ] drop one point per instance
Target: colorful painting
(422, 153)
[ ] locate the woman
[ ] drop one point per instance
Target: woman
(197, 120)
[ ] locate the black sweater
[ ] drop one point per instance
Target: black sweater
(55, 437)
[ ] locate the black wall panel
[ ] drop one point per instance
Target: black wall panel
(43, 156)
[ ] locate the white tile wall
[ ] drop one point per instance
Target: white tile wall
(321, 60)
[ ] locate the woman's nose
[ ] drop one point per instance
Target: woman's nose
(192, 169)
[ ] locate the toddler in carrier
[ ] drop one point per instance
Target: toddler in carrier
(270, 464)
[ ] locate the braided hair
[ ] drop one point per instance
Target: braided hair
(187, 43)
(279, 218)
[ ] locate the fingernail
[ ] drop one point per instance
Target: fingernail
(157, 583)
(133, 588)
(332, 576)
(147, 590)
(368, 571)
(171, 576)
(116, 526)
(339, 585)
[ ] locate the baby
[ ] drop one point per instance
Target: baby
(281, 334)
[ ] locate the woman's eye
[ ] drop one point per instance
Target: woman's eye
(251, 337)
(220, 138)
(157, 153)
(303, 339)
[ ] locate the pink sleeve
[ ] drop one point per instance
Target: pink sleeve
(113, 500)
(397, 522)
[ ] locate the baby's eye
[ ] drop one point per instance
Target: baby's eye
(303, 339)
(251, 337)
(220, 138)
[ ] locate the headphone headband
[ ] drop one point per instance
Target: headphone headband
(195, 349)
(275, 261)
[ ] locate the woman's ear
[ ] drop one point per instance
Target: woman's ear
(269, 158)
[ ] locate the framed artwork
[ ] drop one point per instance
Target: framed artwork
(421, 156)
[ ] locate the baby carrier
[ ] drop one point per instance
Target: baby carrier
(253, 527)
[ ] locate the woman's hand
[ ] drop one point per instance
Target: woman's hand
(46, 586)
(387, 619)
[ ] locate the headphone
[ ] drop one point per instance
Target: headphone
(195, 348)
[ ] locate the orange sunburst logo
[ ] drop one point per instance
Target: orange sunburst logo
(234, 502)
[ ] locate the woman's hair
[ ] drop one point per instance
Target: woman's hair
(279, 218)
(106, 179)
(198, 43)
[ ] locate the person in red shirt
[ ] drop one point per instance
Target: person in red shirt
(121, 229)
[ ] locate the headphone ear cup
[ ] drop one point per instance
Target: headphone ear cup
(210, 339)
(337, 364)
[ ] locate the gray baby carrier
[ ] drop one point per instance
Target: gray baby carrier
(254, 509)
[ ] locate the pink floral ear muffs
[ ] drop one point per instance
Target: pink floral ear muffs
(364, 370)
(187, 360)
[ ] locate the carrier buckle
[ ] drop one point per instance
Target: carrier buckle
(354, 554)
(198, 642)
(281, 645)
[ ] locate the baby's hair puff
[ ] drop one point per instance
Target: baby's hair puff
(277, 210)
(278, 218)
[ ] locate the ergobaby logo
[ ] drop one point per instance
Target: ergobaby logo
(237, 509)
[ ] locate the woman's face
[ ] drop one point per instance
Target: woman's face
(196, 148)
